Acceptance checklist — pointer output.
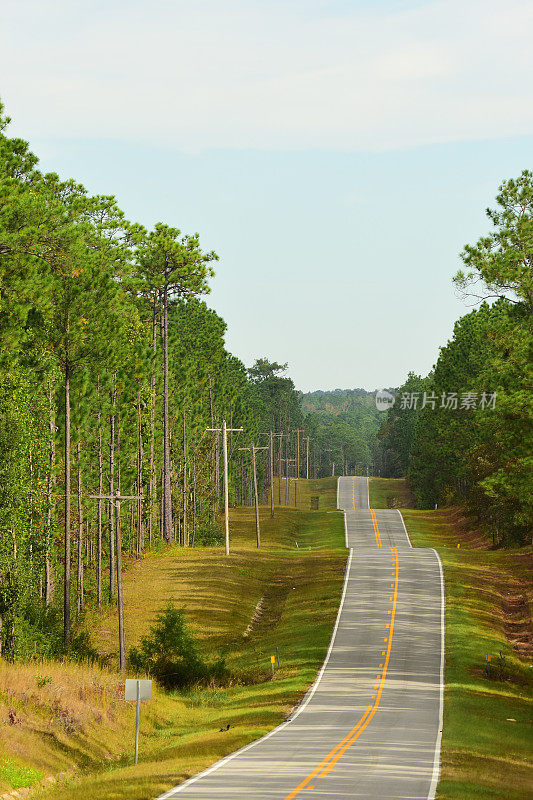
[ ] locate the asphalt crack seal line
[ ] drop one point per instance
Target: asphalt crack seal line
(327, 763)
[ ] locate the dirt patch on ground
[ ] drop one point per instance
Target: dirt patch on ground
(513, 587)
(467, 529)
(516, 598)
(270, 607)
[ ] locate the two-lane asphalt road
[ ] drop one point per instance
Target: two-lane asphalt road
(370, 727)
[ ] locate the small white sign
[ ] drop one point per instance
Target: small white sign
(145, 689)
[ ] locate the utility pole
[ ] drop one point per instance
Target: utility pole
(185, 529)
(225, 431)
(271, 434)
(287, 478)
(117, 498)
(330, 450)
(271, 474)
(280, 435)
(307, 439)
(298, 432)
(254, 450)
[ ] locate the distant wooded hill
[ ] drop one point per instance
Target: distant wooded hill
(336, 400)
(345, 424)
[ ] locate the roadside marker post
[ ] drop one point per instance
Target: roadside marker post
(488, 665)
(137, 690)
(277, 655)
(272, 661)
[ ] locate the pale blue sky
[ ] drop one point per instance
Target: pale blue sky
(337, 155)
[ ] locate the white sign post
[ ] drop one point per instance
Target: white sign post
(137, 690)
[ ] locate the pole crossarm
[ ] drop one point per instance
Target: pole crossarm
(253, 447)
(254, 450)
(225, 430)
(228, 430)
(118, 498)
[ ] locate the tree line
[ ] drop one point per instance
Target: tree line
(344, 423)
(112, 371)
(464, 433)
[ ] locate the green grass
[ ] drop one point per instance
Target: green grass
(78, 721)
(485, 755)
(390, 493)
(17, 775)
(180, 732)
(323, 488)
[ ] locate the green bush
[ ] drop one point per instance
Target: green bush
(209, 534)
(171, 655)
(39, 633)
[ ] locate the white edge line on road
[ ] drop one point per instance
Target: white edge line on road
(345, 531)
(298, 711)
(338, 481)
(405, 529)
(436, 760)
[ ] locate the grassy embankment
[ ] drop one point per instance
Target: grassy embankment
(323, 488)
(72, 719)
(390, 493)
(487, 739)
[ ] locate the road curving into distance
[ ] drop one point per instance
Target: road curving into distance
(370, 726)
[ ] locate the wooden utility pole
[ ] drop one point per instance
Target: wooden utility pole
(271, 469)
(193, 500)
(185, 530)
(140, 532)
(66, 592)
(167, 482)
(329, 450)
(307, 439)
(79, 571)
(225, 431)
(254, 450)
(271, 465)
(279, 466)
(117, 498)
(287, 478)
(111, 516)
(298, 432)
(50, 504)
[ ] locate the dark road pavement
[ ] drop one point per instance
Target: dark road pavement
(370, 726)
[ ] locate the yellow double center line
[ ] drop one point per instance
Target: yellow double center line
(376, 529)
(327, 763)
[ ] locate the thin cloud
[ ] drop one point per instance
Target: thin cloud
(270, 75)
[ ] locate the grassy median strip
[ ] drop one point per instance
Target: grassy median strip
(72, 719)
